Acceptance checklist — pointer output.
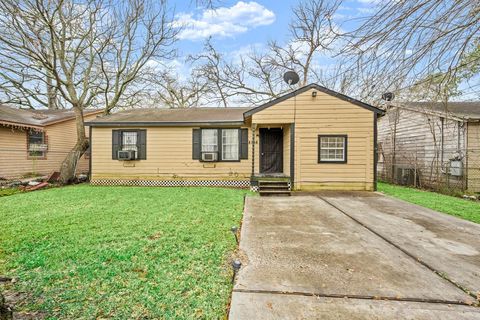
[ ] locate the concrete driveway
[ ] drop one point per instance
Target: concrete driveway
(354, 256)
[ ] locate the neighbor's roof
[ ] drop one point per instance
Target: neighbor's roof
(172, 117)
(35, 118)
(463, 110)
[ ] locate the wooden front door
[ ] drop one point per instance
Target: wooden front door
(271, 150)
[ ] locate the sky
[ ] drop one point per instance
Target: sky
(236, 26)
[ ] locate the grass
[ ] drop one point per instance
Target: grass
(465, 209)
(8, 191)
(85, 252)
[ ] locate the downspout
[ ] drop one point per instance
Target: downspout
(292, 156)
(466, 134)
(254, 129)
(442, 120)
(91, 153)
(375, 151)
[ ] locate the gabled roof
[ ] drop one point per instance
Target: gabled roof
(36, 118)
(316, 87)
(172, 117)
(461, 110)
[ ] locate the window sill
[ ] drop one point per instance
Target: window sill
(335, 162)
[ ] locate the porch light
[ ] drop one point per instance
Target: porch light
(314, 94)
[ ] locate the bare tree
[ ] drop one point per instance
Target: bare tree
(174, 93)
(91, 53)
(404, 41)
(312, 31)
(256, 76)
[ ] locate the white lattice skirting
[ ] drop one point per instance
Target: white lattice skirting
(172, 183)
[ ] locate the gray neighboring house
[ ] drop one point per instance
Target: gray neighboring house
(430, 144)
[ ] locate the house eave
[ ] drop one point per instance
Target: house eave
(450, 116)
(316, 87)
(21, 125)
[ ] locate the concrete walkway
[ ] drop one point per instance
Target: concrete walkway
(326, 256)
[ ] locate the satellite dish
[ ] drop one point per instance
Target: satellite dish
(388, 96)
(291, 77)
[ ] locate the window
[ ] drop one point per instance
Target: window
(209, 140)
(332, 149)
(230, 144)
(37, 147)
(129, 141)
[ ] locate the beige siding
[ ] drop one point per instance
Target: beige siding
(473, 144)
(169, 157)
(326, 114)
(14, 160)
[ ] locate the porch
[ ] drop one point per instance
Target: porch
(272, 158)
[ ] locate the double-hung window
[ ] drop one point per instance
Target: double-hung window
(37, 147)
(130, 141)
(224, 142)
(209, 140)
(230, 148)
(332, 149)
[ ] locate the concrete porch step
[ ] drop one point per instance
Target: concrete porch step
(273, 193)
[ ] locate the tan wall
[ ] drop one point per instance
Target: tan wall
(169, 157)
(326, 114)
(14, 160)
(473, 149)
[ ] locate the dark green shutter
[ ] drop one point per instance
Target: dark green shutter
(196, 143)
(142, 144)
(244, 144)
(116, 143)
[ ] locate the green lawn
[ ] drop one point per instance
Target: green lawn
(465, 209)
(85, 252)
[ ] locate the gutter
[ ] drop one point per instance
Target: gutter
(162, 124)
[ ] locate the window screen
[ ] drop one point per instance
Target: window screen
(36, 144)
(230, 147)
(332, 148)
(129, 140)
(209, 140)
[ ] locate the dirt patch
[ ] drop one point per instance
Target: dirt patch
(12, 301)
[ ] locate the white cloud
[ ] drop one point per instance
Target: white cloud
(366, 10)
(223, 21)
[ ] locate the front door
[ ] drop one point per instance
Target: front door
(271, 150)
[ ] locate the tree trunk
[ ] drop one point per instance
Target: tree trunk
(51, 93)
(69, 165)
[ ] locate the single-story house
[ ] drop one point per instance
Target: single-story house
(313, 137)
(431, 144)
(35, 142)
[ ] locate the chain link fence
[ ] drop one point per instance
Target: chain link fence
(450, 171)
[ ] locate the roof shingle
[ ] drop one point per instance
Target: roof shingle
(172, 116)
(35, 118)
(464, 110)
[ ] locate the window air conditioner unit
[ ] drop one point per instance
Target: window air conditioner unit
(209, 156)
(126, 155)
